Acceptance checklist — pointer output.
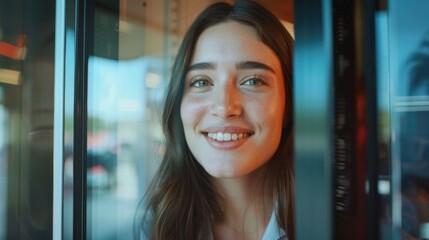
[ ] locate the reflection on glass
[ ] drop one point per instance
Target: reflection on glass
(126, 82)
(124, 138)
(26, 118)
(68, 174)
(409, 65)
(413, 115)
(3, 164)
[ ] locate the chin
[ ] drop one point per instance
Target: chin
(227, 173)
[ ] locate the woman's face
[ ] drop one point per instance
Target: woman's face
(234, 100)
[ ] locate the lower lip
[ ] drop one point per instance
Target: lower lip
(225, 145)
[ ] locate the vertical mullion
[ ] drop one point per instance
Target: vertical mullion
(84, 37)
(58, 149)
(79, 135)
(371, 113)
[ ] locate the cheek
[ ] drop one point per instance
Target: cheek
(190, 111)
(270, 112)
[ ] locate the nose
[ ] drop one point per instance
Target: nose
(226, 102)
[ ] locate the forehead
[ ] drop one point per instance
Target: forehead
(232, 41)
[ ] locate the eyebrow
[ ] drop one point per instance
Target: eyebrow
(254, 65)
(240, 65)
(202, 66)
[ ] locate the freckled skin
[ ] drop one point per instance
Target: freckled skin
(229, 96)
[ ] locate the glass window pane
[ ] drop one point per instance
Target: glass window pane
(26, 118)
(409, 64)
(126, 81)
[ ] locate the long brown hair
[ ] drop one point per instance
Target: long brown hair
(181, 202)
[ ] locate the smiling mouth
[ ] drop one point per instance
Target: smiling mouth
(226, 137)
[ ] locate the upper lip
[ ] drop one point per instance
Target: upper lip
(227, 129)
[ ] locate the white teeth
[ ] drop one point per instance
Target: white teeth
(225, 137)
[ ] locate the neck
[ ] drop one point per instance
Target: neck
(247, 207)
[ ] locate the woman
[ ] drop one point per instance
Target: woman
(228, 169)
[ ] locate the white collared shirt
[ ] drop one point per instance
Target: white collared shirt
(273, 230)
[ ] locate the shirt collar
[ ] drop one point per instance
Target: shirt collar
(273, 230)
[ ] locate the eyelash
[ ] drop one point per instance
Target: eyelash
(200, 79)
(259, 81)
